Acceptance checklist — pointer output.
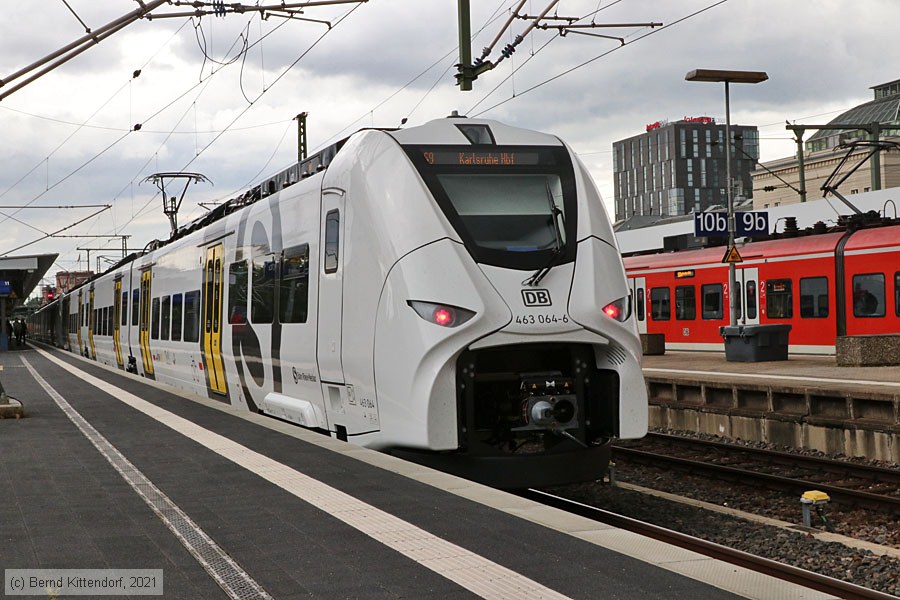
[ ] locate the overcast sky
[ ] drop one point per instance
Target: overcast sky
(204, 106)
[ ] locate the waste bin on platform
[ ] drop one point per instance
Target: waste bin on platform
(755, 343)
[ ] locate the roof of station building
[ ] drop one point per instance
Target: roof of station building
(884, 109)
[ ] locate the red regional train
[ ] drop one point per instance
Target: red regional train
(827, 283)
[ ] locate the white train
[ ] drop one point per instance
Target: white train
(450, 293)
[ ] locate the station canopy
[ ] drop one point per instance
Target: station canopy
(19, 275)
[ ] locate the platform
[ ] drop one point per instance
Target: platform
(805, 401)
(108, 471)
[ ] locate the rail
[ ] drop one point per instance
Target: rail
(809, 579)
(841, 480)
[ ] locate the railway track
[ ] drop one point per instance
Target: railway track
(852, 484)
(809, 579)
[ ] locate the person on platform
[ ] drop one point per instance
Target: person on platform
(17, 331)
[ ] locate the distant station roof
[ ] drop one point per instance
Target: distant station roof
(19, 275)
(884, 109)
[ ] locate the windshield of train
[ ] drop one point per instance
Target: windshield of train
(512, 207)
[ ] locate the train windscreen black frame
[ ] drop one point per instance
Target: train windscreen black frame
(517, 229)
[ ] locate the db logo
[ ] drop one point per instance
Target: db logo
(536, 297)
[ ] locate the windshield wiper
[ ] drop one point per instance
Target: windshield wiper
(555, 213)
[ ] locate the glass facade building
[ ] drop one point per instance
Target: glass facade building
(676, 168)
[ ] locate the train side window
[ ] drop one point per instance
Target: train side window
(640, 304)
(332, 240)
(738, 298)
(751, 299)
(868, 295)
(262, 302)
(659, 304)
(897, 293)
(293, 292)
(685, 303)
(154, 320)
(814, 297)
(135, 305)
(124, 309)
(177, 303)
(104, 316)
(166, 318)
(779, 299)
(237, 293)
(192, 316)
(712, 301)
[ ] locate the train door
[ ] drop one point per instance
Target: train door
(331, 287)
(212, 319)
(117, 313)
(144, 324)
(81, 349)
(67, 322)
(92, 322)
(747, 281)
(639, 302)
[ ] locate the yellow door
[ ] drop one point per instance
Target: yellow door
(145, 322)
(80, 323)
(91, 325)
(117, 314)
(212, 319)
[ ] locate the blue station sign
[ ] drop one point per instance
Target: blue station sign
(747, 224)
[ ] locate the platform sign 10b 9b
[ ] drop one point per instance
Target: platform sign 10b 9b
(747, 224)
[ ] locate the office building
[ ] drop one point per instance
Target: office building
(676, 168)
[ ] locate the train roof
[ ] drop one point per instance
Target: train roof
(826, 242)
(452, 130)
(459, 130)
(880, 237)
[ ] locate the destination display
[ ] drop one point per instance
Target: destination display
(490, 158)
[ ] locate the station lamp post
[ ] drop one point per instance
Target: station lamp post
(727, 77)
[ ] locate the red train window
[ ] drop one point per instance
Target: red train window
(897, 293)
(779, 299)
(659, 304)
(711, 295)
(814, 297)
(685, 303)
(868, 295)
(751, 299)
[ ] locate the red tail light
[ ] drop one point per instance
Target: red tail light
(444, 316)
(619, 309)
(441, 314)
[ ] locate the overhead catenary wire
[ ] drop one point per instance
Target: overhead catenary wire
(102, 152)
(134, 128)
(604, 54)
(144, 208)
(534, 53)
(66, 228)
(83, 24)
(280, 76)
(80, 126)
(137, 127)
(454, 50)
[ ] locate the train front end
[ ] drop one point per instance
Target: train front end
(512, 338)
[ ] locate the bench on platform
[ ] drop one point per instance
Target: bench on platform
(868, 350)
